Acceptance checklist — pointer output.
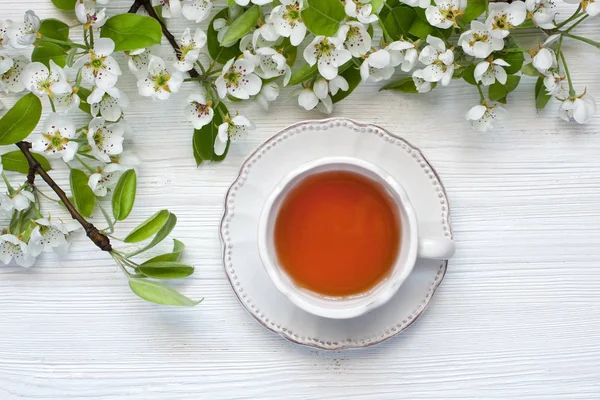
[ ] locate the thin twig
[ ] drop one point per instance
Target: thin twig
(91, 231)
(170, 38)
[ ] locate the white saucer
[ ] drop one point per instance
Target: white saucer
(260, 173)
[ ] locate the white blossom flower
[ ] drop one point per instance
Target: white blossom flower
(6, 63)
(553, 83)
(329, 54)
(198, 110)
(244, 3)
(138, 62)
(231, 129)
(544, 59)
(10, 81)
(479, 41)
(417, 3)
(51, 235)
(11, 247)
(488, 72)
(127, 160)
(238, 79)
(265, 34)
(196, 10)
(24, 34)
(67, 102)
(268, 94)
(316, 96)
(403, 52)
(338, 83)
(160, 82)
(271, 64)
(541, 11)
(220, 25)
(482, 116)
(169, 8)
(377, 66)
(4, 37)
(579, 108)
(444, 13)
(108, 103)
(505, 16)
(439, 61)
(421, 84)
(105, 140)
(88, 14)
(18, 201)
(55, 139)
(592, 7)
(361, 10)
(287, 21)
(43, 81)
(98, 67)
(106, 178)
(355, 37)
(190, 49)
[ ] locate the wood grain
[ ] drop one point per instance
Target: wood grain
(516, 317)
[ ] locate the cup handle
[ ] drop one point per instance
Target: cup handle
(435, 248)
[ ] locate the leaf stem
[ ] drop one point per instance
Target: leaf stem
(481, 96)
(91, 37)
(111, 225)
(576, 14)
(571, 88)
(61, 42)
(89, 168)
(582, 39)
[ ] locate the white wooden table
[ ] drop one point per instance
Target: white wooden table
(517, 315)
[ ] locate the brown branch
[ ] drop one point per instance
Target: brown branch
(91, 231)
(135, 7)
(170, 38)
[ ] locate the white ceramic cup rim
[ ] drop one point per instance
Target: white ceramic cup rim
(340, 307)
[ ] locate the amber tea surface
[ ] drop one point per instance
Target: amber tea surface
(337, 233)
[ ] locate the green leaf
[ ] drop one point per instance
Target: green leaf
(148, 228)
(158, 293)
(165, 269)
(83, 196)
(49, 51)
(323, 17)
(55, 29)
(132, 31)
(217, 52)
(124, 195)
(352, 75)
(162, 233)
(68, 5)
(20, 120)
(541, 95)
(16, 161)
(497, 91)
(515, 59)
(422, 29)
(399, 21)
(405, 85)
(175, 255)
(469, 74)
(303, 73)
(530, 70)
(289, 52)
(203, 142)
(512, 81)
(474, 9)
(376, 5)
(83, 94)
(241, 26)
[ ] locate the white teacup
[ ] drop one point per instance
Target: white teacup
(412, 245)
